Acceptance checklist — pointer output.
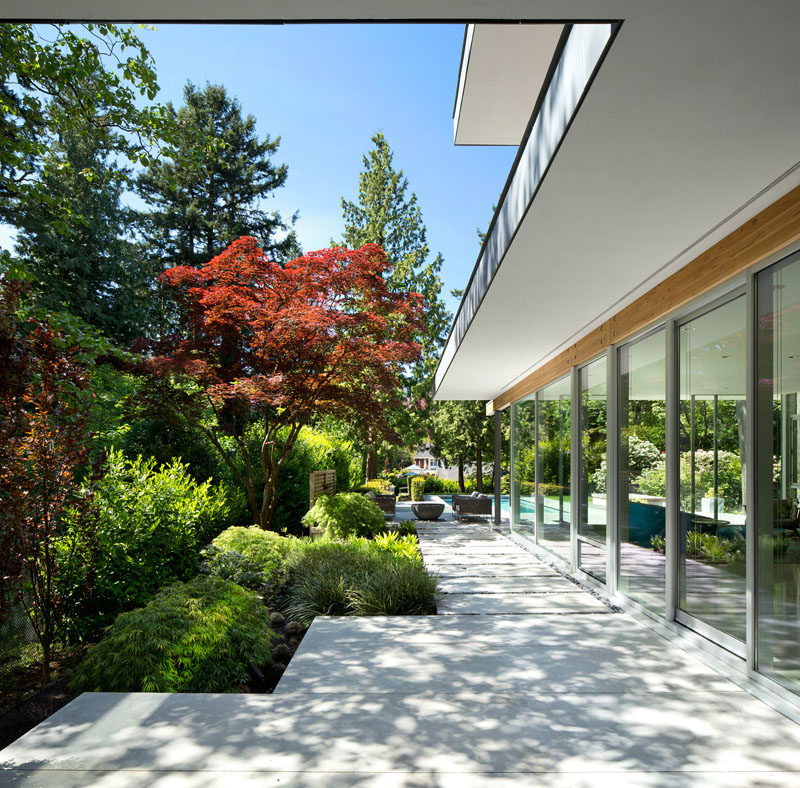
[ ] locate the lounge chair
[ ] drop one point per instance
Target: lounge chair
(471, 506)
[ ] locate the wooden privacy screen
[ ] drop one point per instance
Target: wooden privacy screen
(766, 233)
(320, 482)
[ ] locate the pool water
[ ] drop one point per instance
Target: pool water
(526, 505)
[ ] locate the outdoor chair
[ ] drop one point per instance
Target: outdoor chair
(471, 506)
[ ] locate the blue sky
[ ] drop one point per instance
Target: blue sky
(326, 89)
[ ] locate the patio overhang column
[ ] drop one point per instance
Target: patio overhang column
(497, 467)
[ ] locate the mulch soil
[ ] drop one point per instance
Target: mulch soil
(41, 703)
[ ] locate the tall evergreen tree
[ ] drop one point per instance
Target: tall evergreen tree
(200, 204)
(77, 244)
(386, 213)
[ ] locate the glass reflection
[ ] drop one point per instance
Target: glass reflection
(523, 463)
(641, 500)
(553, 467)
(712, 433)
(593, 519)
(777, 473)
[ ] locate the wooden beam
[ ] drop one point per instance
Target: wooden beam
(768, 232)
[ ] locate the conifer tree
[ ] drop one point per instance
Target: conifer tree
(77, 246)
(387, 214)
(199, 204)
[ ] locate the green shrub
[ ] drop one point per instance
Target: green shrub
(378, 486)
(249, 557)
(417, 488)
(404, 545)
(346, 514)
(191, 637)
(437, 485)
(315, 450)
(152, 522)
(355, 578)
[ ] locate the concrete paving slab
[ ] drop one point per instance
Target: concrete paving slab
(508, 585)
(695, 731)
(488, 604)
(222, 779)
(457, 654)
(493, 570)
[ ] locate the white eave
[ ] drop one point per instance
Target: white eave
(642, 156)
(503, 68)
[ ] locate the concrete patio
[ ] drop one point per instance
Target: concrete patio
(526, 679)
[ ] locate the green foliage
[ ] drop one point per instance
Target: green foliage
(64, 78)
(406, 546)
(417, 485)
(151, 523)
(654, 482)
(86, 266)
(435, 485)
(202, 201)
(191, 637)
(642, 456)
(314, 450)
(707, 547)
(356, 578)
(346, 514)
(249, 557)
(387, 215)
(378, 486)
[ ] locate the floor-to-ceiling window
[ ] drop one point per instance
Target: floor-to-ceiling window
(641, 490)
(592, 503)
(712, 384)
(553, 463)
(778, 472)
(523, 465)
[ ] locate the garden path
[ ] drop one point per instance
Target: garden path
(525, 679)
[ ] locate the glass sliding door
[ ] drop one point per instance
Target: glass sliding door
(553, 467)
(778, 473)
(523, 464)
(592, 504)
(641, 452)
(711, 570)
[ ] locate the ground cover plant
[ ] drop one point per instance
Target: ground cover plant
(191, 637)
(346, 514)
(356, 577)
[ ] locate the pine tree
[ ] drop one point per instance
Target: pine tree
(386, 213)
(76, 246)
(200, 202)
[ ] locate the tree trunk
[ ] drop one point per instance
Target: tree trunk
(371, 464)
(461, 488)
(479, 470)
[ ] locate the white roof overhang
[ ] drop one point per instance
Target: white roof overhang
(503, 69)
(685, 128)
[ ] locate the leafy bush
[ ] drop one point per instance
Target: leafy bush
(191, 637)
(406, 545)
(378, 486)
(151, 524)
(436, 485)
(417, 488)
(356, 578)
(250, 557)
(707, 547)
(315, 450)
(346, 514)
(654, 480)
(642, 456)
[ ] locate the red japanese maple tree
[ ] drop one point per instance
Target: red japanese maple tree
(282, 344)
